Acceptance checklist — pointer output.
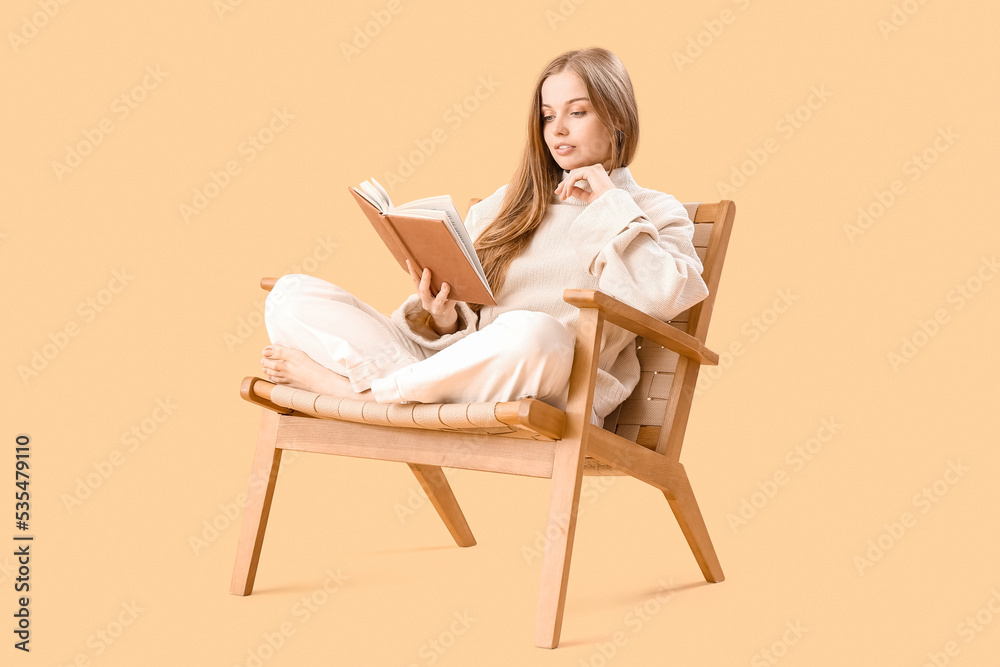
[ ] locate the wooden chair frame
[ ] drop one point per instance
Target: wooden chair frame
(542, 440)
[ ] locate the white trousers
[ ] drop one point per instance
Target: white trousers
(520, 354)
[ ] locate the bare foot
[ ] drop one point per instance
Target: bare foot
(295, 368)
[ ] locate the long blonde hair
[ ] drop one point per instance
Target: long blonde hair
(531, 189)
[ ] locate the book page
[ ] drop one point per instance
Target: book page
(368, 198)
(369, 192)
(468, 243)
(382, 191)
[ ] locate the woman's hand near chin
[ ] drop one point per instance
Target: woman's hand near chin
(595, 175)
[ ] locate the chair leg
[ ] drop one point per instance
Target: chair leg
(564, 504)
(265, 471)
(685, 509)
(434, 483)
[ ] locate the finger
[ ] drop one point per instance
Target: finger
(425, 281)
(413, 274)
(443, 293)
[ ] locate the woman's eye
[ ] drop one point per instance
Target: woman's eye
(548, 118)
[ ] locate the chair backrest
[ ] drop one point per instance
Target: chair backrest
(655, 415)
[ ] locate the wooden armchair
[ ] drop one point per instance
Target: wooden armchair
(641, 438)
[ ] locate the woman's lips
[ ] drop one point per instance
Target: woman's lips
(563, 151)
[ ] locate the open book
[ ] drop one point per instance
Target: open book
(430, 233)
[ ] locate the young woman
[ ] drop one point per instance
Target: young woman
(571, 217)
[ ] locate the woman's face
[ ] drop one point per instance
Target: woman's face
(568, 118)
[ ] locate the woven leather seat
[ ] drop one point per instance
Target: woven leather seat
(528, 418)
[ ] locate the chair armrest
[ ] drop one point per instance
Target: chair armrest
(642, 324)
(268, 283)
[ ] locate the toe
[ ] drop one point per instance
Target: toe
(290, 354)
(274, 351)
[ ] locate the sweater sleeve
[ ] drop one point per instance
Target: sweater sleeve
(410, 318)
(644, 258)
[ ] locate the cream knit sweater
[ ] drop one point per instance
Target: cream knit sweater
(631, 243)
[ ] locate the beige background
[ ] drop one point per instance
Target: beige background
(179, 326)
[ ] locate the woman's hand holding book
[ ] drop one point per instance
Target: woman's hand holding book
(443, 311)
